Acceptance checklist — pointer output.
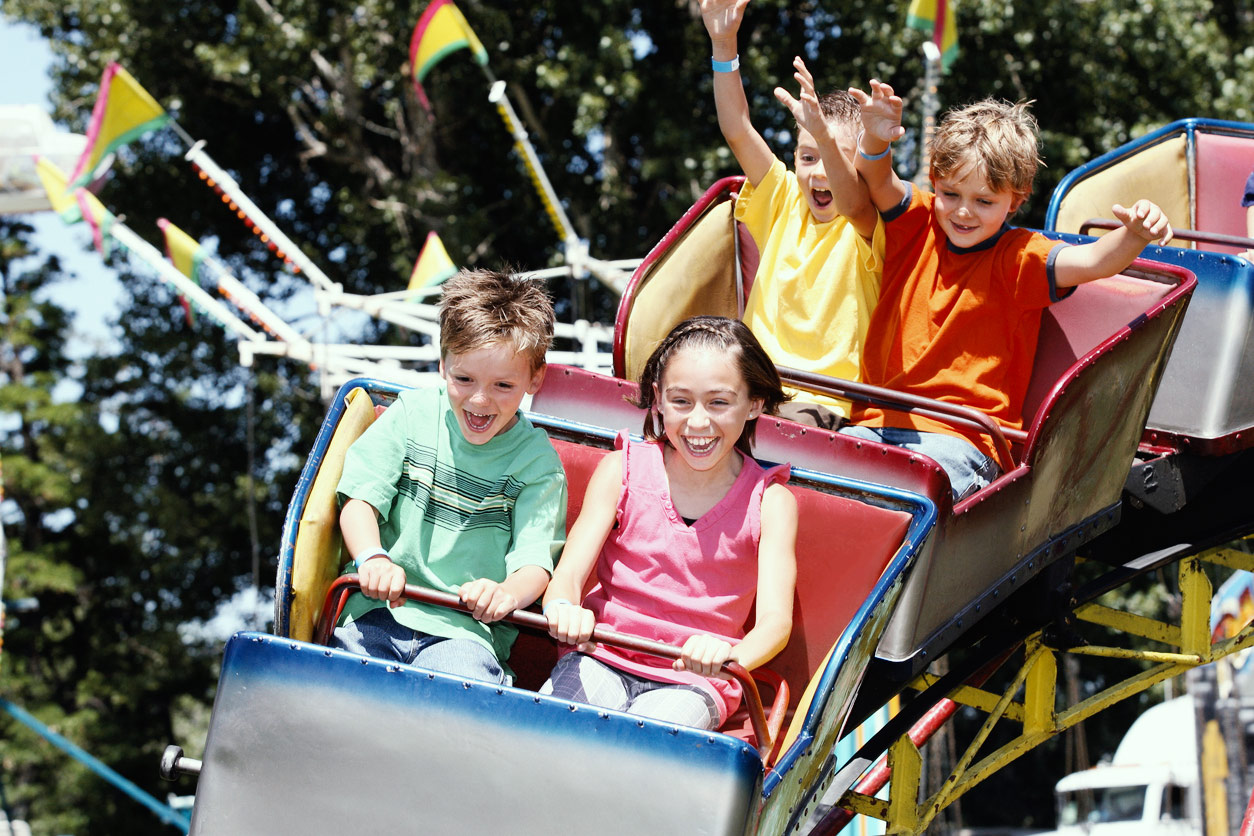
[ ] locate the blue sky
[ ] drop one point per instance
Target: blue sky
(92, 290)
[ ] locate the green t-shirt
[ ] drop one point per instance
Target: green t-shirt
(451, 511)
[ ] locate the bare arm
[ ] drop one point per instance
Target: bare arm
(881, 125)
(379, 577)
(849, 192)
(570, 622)
(1111, 253)
(722, 20)
(777, 579)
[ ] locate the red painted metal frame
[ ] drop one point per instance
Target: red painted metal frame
(720, 191)
(765, 729)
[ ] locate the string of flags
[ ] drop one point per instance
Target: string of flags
(124, 112)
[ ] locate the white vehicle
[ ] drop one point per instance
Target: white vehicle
(1151, 787)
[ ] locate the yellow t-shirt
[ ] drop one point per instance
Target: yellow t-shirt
(816, 285)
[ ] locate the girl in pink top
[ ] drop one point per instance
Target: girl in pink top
(687, 533)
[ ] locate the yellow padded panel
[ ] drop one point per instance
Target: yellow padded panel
(1159, 173)
(316, 558)
(694, 277)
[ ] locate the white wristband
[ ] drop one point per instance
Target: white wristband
(366, 555)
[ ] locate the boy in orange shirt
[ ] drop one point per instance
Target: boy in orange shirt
(962, 292)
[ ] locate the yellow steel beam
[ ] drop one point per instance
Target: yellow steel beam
(903, 793)
(1229, 558)
(976, 698)
(1037, 676)
(1126, 622)
(1196, 591)
(1040, 689)
(1141, 655)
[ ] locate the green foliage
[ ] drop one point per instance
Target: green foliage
(125, 514)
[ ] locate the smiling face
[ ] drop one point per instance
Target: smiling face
(704, 402)
(811, 175)
(969, 209)
(485, 388)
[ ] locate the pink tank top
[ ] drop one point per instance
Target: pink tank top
(661, 579)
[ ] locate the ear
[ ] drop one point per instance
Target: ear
(755, 408)
(1015, 203)
(537, 379)
(442, 374)
(657, 397)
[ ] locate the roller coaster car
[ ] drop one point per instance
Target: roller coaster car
(1189, 485)
(1099, 360)
(418, 749)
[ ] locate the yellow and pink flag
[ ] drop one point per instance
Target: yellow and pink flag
(186, 254)
(124, 111)
(433, 265)
(74, 205)
(442, 29)
(937, 18)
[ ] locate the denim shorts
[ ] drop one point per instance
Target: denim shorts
(378, 635)
(968, 468)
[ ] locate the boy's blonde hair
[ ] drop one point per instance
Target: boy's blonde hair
(1000, 138)
(480, 308)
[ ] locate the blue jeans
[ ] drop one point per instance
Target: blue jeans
(377, 634)
(968, 468)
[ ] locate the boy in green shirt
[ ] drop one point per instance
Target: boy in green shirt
(454, 490)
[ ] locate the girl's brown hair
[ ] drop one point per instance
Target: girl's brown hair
(716, 332)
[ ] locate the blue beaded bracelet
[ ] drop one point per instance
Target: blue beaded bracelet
(725, 66)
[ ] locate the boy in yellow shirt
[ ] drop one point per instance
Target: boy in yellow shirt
(820, 238)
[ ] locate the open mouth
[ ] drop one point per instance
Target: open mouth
(476, 422)
(700, 446)
(822, 197)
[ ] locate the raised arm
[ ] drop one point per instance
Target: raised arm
(722, 20)
(1114, 251)
(881, 126)
(849, 193)
(568, 621)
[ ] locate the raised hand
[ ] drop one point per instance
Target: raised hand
(881, 112)
(1146, 220)
(804, 109)
(722, 17)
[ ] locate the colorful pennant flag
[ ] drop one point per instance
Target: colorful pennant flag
(433, 265)
(98, 218)
(74, 205)
(55, 184)
(936, 17)
(186, 254)
(124, 111)
(441, 29)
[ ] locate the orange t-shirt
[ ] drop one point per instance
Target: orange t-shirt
(956, 325)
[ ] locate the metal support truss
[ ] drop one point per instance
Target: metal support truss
(1030, 700)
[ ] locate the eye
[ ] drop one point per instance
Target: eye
(984, 201)
(505, 386)
(461, 378)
